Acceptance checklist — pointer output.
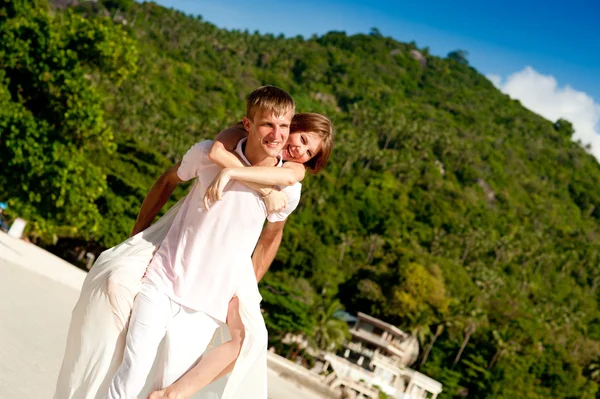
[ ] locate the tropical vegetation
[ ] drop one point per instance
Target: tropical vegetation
(448, 209)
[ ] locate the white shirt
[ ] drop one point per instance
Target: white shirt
(198, 262)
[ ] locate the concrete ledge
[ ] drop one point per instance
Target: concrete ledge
(38, 260)
(294, 372)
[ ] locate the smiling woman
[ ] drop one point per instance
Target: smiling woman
(310, 128)
(301, 147)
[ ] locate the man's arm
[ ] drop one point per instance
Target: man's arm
(267, 247)
(156, 198)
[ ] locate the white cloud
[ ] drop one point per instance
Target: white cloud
(541, 94)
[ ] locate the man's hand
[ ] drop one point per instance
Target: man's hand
(275, 201)
(214, 191)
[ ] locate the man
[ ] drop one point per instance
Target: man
(195, 271)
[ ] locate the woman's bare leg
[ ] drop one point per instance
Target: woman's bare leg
(212, 365)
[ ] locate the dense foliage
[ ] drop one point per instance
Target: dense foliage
(448, 209)
(51, 116)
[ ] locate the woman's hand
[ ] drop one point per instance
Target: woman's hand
(214, 192)
(275, 201)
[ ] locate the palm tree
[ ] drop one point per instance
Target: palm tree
(438, 331)
(459, 56)
(471, 320)
(594, 370)
(329, 331)
(469, 330)
(419, 326)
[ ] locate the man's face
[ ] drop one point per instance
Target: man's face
(269, 132)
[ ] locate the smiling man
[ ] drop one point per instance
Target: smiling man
(196, 269)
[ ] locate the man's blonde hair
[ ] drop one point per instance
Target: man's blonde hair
(269, 99)
(320, 126)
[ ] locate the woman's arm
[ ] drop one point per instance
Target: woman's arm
(225, 143)
(287, 175)
(222, 154)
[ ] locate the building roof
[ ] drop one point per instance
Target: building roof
(382, 324)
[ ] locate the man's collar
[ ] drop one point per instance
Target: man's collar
(239, 150)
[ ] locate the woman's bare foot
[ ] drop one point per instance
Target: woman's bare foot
(163, 394)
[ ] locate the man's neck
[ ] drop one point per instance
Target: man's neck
(255, 158)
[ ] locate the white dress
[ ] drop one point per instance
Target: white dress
(98, 325)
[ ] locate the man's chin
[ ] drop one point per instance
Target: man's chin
(273, 152)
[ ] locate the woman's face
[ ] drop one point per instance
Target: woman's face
(301, 147)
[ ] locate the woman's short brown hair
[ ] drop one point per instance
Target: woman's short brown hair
(319, 125)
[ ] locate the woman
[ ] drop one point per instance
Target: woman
(96, 335)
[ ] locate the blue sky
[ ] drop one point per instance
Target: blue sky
(555, 38)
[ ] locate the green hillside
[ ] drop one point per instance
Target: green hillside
(448, 209)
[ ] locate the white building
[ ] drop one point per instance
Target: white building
(378, 355)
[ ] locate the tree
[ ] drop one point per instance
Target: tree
(121, 5)
(470, 320)
(459, 56)
(329, 331)
(438, 331)
(283, 311)
(469, 330)
(51, 115)
(375, 32)
(505, 344)
(564, 128)
(420, 292)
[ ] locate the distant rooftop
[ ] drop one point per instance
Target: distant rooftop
(382, 324)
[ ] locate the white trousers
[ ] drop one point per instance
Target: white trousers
(155, 316)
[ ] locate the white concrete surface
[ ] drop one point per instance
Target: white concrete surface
(37, 293)
(283, 388)
(40, 261)
(34, 317)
